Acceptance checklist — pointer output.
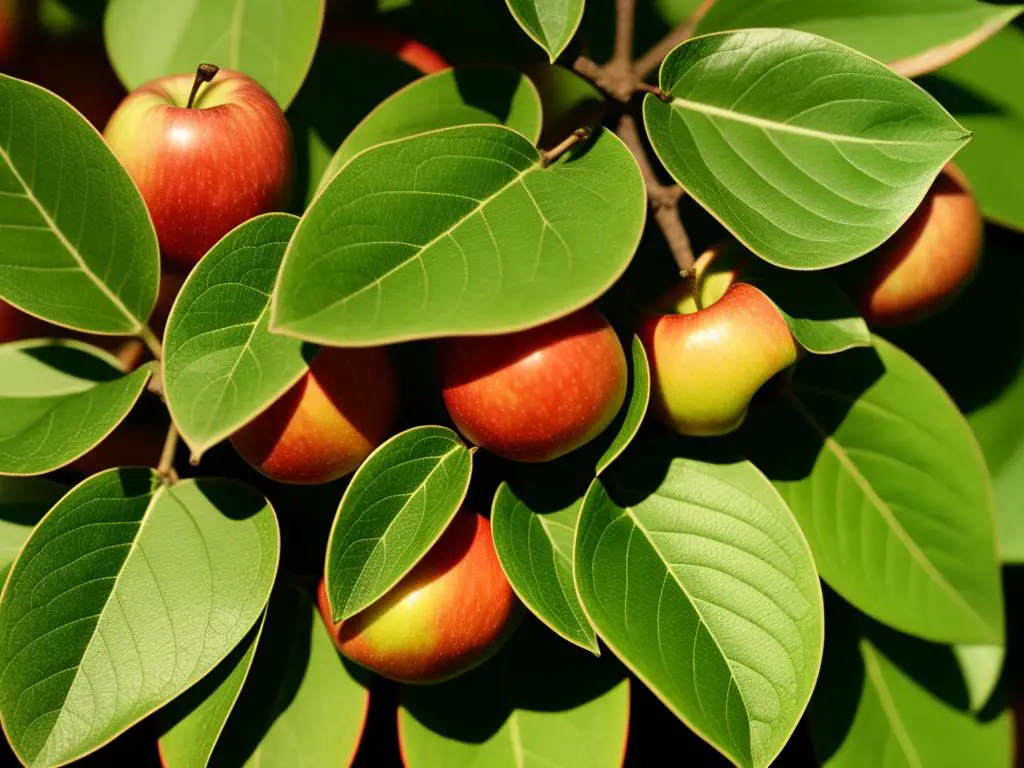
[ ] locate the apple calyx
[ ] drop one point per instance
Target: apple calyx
(204, 74)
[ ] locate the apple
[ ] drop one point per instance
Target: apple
(537, 394)
(449, 614)
(713, 342)
(329, 422)
(925, 265)
(385, 40)
(206, 156)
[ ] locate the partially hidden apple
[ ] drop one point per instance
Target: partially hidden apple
(329, 422)
(383, 39)
(713, 342)
(207, 152)
(925, 265)
(450, 613)
(537, 394)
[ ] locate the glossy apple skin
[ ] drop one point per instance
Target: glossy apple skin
(392, 42)
(329, 422)
(537, 394)
(205, 170)
(450, 613)
(707, 365)
(924, 266)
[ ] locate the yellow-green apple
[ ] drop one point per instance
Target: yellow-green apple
(447, 615)
(329, 422)
(924, 266)
(713, 342)
(537, 394)
(206, 156)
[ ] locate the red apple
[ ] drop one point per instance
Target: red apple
(536, 394)
(712, 343)
(924, 266)
(384, 40)
(328, 423)
(206, 168)
(449, 614)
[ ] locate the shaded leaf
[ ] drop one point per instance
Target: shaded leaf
(23, 502)
(623, 429)
(551, 24)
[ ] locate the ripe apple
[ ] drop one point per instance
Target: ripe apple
(537, 394)
(924, 266)
(713, 342)
(205, 164)
(449, 614)
(385, 40)
(329, 422)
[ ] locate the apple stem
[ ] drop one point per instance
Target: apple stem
(165, 469)
(204, 74)
(690, 278)
(549, 156)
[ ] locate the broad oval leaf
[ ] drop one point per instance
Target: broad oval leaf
(271, 41)
(302, 703)
(911, 36)
(398, 504)
(221, 365)
(551, 24)
(58, 400)
(697, 576)
(23, 502)
(77, 246)
(622, 431)
(810, 153)
(539, 702)
(459, 231)
(461, 96)
(891, 490)
(191, 725)
(128, 592)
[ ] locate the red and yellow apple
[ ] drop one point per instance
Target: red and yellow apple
(924, 266)
(449, 614)
(537, 394)
(712, 343)
(203, 166)
(329, 422)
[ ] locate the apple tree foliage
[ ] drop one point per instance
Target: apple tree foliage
(685, 581)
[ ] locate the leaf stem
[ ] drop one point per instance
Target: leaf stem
(204, 74)
(165, 469)
(549, 156)
(152, 342)
(653, 58)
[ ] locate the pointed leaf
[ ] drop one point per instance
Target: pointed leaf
(622, 431)
(271, 41)
(23, 502)
(302, 704)
(221, 365)
(77, 246)
(477, 236)
(981, 667)
(58, 400)
(127, 593)
(539, 702)
(810, 153)
(463, 96)
(551, 24)
(890, 487)
(697, 576)
(398, 504)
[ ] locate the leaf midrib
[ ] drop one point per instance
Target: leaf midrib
(888, 705)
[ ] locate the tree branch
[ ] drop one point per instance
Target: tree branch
(664, 199)
(152, 342)
(653, 58)
(625, 19)
(165, 469)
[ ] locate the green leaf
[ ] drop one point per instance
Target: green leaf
(912, 36)
(477, 236)
(192, 724)
(77, 246)
(533, 524)
(23, 502)
(302, 704)
(697, 576)
(983, 90)
(271, 41)
(981, 667)
(882, 693)
(58, 400)
(464, 96)
(810, 153)
(221, 365)
(539, 702)
(627, 423)
(398, 504)
(551, 24)
(891, 490)
(128, 592)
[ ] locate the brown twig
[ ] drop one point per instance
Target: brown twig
(625, 19)
(152, 342)
(165, 469)
(664, 199)
(653, 58)
(549, 156)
